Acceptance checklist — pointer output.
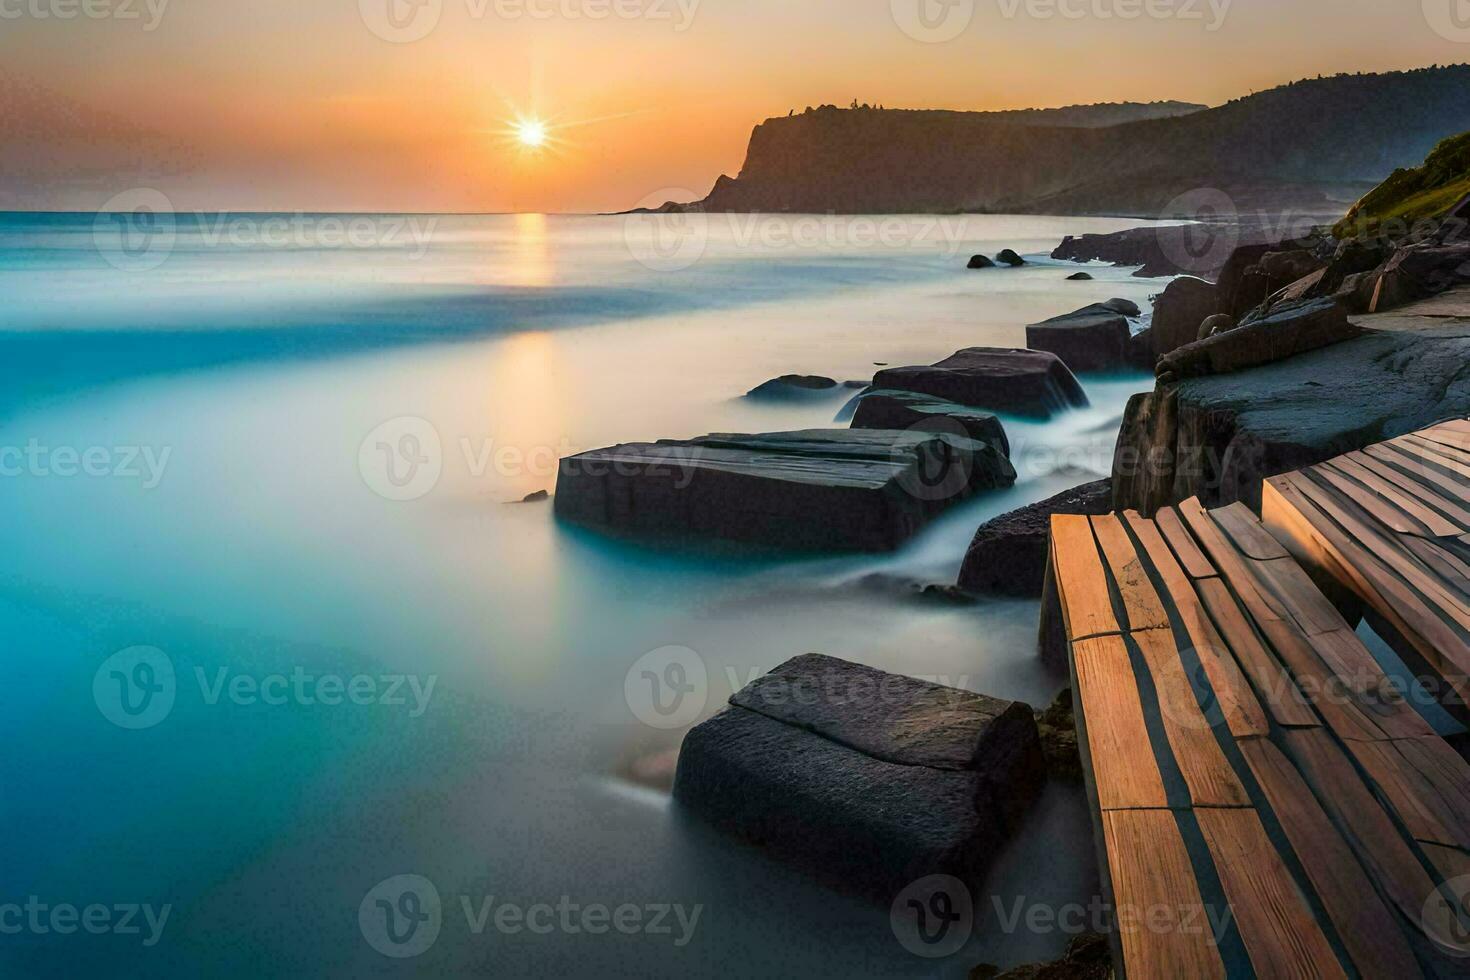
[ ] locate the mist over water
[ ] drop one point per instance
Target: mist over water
(231, 521)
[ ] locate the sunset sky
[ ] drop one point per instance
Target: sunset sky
(303, 104)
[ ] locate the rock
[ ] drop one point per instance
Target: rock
(1022, 382)
(1219, 323)
(1095, 338)
(1305, 288)
(1218, 437)
(1008, 555)
(867, 780)
(792, 386)
(1124, 306)
(1079, 277)
(816, 490)
(1179, 311)
(540, 496)
(1243, 284)
(1420, 272)
(1141, 350)
(1057, 728)
(1357, 291)
(1089, 957)
(1284, 332)
(1009, 257)
(856, 385)
(881, 409)
(981, 262)
(1291, 265)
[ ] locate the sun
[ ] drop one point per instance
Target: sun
(531, 133)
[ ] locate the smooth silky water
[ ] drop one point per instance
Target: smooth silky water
(232, 519)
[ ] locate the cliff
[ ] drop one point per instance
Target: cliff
(1304, 144)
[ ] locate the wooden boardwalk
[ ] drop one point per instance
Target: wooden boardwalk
(1268, 801)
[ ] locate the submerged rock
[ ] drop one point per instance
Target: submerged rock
(882, 409)
(1089, 957)
(1022, 382)
(981, 262)
(815, 490)
(1057, 726)
(1094, 338)
(1009, 257)
(792, 386)
(1079, 277)
(1008, 555)
(867, 780)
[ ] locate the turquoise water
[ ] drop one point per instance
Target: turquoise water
(248, 685)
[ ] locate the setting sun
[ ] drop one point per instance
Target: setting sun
(531, 132)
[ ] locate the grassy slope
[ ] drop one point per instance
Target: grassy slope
(1414, 195)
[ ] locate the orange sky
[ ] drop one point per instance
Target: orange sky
(299, 104)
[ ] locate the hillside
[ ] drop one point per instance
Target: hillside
(1306, 144)
(1413, 195)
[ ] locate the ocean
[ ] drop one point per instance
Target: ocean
(257, 670)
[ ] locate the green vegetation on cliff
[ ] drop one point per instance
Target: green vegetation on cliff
(1414, 195)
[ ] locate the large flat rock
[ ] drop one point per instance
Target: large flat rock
(1218, 437)
(863, 779)
(881, 409)
(1020, 382)
(1094, 338)
(814, 490)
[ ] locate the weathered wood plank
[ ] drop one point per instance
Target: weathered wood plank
(1286, 702)
(1427, 791)
(1280, 932)
(1210, 778)
(1439, 526)
(1124, 767)
(1295, 590)
(1140, 599)
(1367, 928)
(1421, 490)
(1419, 470)
(1232, 564)
(1183, 543)
(1080, 578)
(1241, 526)
(1449, 437)
(1233, 696)
(1151, 869)
(1433, 453)
(1375, 506)
(1371, 832)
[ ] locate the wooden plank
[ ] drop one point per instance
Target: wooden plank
(1151, 869)
(1424, 798)
(1439, 525)
(1421, 490)
(1449, 437)
(1280, 932)
(1361, 818)
(1358, 678)
(1241, 525)
(1432, 453)
(1124, 767)
(1210, 778)
(1287, 704)
(1242, 712)
(1299, 595)
(1081, 581)
(1262, 607)
(1420, 471)
(1319, 684)
(1445, 564)
(1140, 599)
(1374, 506)
(1190, 555)
(1366, 926)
